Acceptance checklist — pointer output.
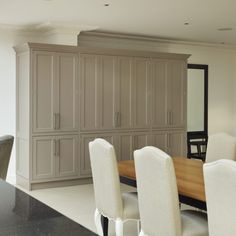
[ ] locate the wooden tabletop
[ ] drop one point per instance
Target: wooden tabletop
(189, 176)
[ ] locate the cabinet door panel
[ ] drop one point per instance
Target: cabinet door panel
(43, 158)
(141, 92)
(68, 157)
(178, 144)
(129, 142)
(125, 151)
(160, 141)
(140, 141)
(178, 93)
(89, 91)
(67, 102)
(160, 93)
(124, 91)
(43, 93)
(85, 167)
(106, 91)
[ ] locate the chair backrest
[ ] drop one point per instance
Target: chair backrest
(105, 178)
(220, 146)
(157, 193)
(220, 188)
(6, 143)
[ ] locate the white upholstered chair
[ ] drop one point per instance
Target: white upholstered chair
(220, 188)
(108, 198)
(6, 143)
(158, 198)
(220, 146)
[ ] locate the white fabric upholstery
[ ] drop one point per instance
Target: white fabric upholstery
(158, 197)
(220, 146)
(220, 187)
(105, 179)
(108, 198)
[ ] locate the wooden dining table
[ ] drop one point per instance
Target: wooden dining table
(189, 177)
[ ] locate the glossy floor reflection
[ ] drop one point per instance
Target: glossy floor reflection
(22, 215)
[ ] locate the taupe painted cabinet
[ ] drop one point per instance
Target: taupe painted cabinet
(47, 140)
(67, 96)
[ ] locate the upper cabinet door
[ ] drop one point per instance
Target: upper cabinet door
(55, 91)
(88, 91)
(169, 93)
(44, 95)
(106, 92)
(141, 92)
(177, 93)
(97, 91)
(159, 93)
(123, 89)
(67, 102)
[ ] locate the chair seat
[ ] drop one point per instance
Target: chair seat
(194, 223)
(130, 205)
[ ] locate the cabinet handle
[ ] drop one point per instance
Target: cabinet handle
(58, 121)
(168, 117)
(119, 119)
(168, 141)
(117, 114)
(58, 148)
(171, 117)
(54, 147)
(135, 142)
(54, 121)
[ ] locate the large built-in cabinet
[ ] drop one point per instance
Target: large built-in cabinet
(67, 96)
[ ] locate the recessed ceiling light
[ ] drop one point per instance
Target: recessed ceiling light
(225, 29)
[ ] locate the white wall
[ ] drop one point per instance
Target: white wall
(8, 39)
(7, 89)
(222, 77)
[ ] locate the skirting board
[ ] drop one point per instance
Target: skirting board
(55, 184)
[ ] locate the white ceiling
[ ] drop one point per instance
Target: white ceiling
(162, 18)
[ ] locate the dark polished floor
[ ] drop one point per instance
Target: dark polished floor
(22, 215)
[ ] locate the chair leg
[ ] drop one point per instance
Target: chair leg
(119, 227)
(138, 226)
(97, 219)
(141, 233)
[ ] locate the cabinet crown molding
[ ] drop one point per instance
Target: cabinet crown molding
(99, 51)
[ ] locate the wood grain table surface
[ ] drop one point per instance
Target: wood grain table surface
(189, 176)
